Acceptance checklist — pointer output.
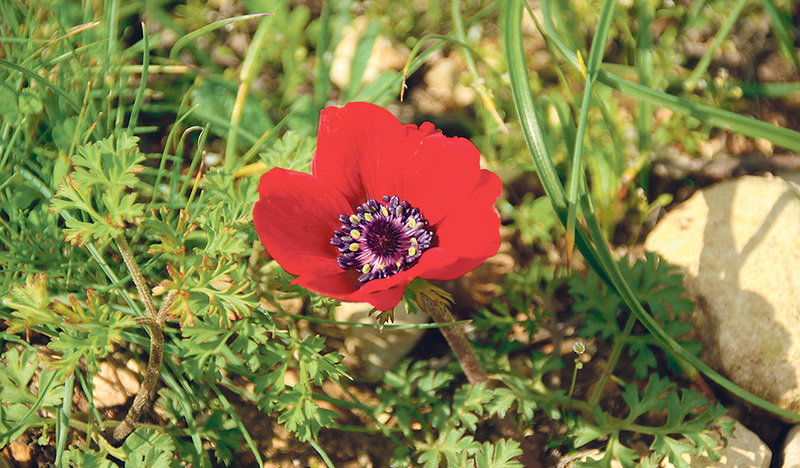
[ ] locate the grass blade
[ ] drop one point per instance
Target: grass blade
(137, 103)
(721, 35)
(187, 39)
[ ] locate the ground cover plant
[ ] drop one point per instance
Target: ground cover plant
(133, 138)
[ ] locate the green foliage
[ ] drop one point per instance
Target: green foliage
(658, 287)
(98, 190)
(416, 398)
(290, 152)
(688, 413)
(147, 448)
(534, 219)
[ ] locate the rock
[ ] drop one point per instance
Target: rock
(114, 385)
(743, 450)
(791, 449)
(737, 245)
(443, 88)
(385, 55)
(373, 351)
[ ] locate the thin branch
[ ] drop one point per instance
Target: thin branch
(136, 275)
(155, 323)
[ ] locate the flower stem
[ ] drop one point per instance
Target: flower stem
(155, 322)
(457, 340)
(476, 374)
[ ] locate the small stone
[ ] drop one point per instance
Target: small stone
(373, 351)
(113, 385)
(737, 246)
(20, 453)
(384, 56)
(791, 449)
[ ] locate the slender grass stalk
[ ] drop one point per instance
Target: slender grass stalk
(137, 103)
(239, 425)
(250, 68)
(590, 73)
(477, 83)
(719, 38)
(620, 342)
(747, 126)
(63, 418)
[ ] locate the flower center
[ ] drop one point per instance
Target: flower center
(381, 238)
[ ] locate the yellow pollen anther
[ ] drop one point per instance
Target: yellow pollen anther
(355, 234)
(353, 247)
(412, 251)
(412, 223)
(414, 241)
(354, 219)
(384, 211)
(368, 217)
(366, 269)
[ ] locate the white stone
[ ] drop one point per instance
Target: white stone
(374, 351)
(791, 449)
(384, 56)
(113, 385)
(738, 245)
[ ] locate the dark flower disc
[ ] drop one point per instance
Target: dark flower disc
(381, 239)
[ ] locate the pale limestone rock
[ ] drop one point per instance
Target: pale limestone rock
(444, 88)
(743, 450)
(114, 385)
(375, 351)
(791, 449)
(738, 244)
(385, 55)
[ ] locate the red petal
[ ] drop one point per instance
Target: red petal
(471, 232)
(361, 144)
(295, 218)
(345, 287)
(435, 177)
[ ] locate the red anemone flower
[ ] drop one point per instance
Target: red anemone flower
(385, 203)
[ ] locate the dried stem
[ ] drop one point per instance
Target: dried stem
(476, 374)
(155, 322)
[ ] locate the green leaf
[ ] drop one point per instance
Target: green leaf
(673, 449)
(99, 187)
(302, 415)
(147, 448)
(9, 109)
(585, 433)
(657, 284)
(468, 404)
(83, 457)
(30, 102)
(292, 152)
(500, 454)
(449, 446)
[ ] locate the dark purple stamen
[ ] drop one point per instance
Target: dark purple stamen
(381, 239)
